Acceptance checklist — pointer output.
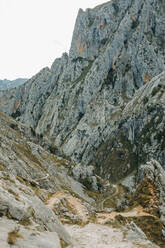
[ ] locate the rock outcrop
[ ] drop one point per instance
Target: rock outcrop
(37, 193)
(29, 175)
(150, 194)
(116, 48)
(101, 110)
(139, 136)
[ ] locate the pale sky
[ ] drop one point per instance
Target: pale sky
(35, 32)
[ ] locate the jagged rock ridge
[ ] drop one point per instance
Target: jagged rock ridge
(35, 188)
(116, 48)
(103, 104)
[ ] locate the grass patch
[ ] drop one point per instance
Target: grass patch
(13, 236)
(155, 90)
(15, 194)
(84, 73)
(91, 21)
(135, 24)
(119, 162)
(25, 222)
(1, 167)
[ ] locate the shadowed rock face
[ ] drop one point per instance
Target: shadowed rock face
(140, 133)
(78, 104)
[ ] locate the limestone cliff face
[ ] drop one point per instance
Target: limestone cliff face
(78, 104)
(140, 133)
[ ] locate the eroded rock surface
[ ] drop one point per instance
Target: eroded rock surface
(102, 106)
(37, 193)
(116, 48)
(139, 136)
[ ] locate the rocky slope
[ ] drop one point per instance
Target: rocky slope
(102, 107)
(37, 195)
(139, 135)
(7, 84)
(116, 48)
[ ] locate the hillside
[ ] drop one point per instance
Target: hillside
(41, 205)
(77, 103)
(86, 137)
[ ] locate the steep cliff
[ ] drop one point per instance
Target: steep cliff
(116, 48)
(139, 135)
(38, 199)
(103, 105)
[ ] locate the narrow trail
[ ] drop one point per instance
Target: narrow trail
(98, 234)
(105, 196)
(73, 204)
(103, 216)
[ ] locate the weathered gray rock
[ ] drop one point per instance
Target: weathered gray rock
(29, 175)
(26, 237)
(136, 233)
(116, 48)
(85, 175)
(28, 99)
(139, 134)
(19, 202)
(22, 157)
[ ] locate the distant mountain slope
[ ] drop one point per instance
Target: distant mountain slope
(7, 84)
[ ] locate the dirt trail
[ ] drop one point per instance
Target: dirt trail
(112, 192)
(104, 217)
(97, 234)
(74, 204)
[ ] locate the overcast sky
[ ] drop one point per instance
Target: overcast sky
(35, 32)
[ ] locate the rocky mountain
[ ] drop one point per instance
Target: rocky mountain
(28, 176)
(77, 104)
(91, 146)
(139, 136)
(41, 205)
(7, 84)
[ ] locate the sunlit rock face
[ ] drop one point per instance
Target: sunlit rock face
(80, 103)
(101, 109)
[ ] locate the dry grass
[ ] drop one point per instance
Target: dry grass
(63, 244)
(146, 78)
(14, 193)
(13, 236)
(25, 222)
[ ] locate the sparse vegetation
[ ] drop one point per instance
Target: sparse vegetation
(91, 21)
(84, 73)
(13, 236)
(145, 99)
(156, 90)
(25, 222)
(14, 193)
(135, 24)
